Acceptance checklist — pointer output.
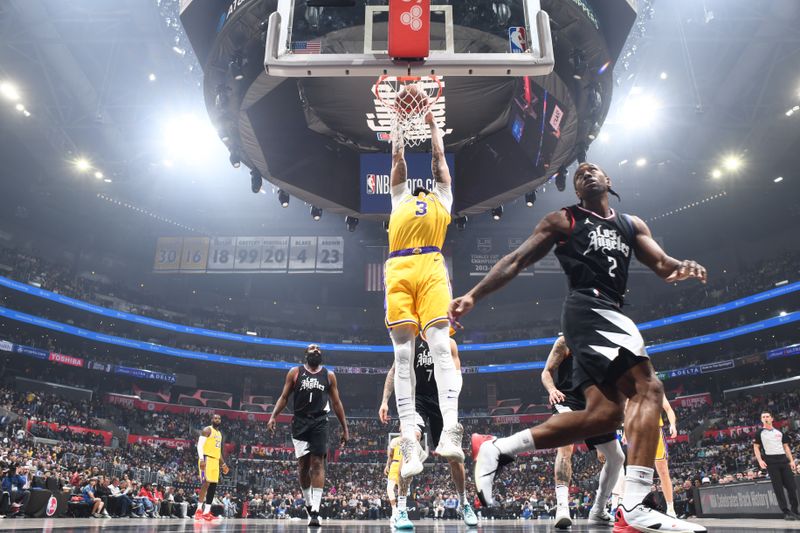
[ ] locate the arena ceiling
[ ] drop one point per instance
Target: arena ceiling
(83, 73)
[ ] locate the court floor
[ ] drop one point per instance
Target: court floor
(122, 525)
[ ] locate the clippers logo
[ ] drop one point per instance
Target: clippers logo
(381, 120)
(413, 17)
(52, 505)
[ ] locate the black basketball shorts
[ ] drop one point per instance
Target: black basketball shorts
(310, 438)
(575, 401)
(430, 417)
(604, 342)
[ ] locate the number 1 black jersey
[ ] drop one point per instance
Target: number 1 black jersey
(597, 253)
(311, 395)
(423, 369)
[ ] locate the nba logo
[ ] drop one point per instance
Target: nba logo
(371, 184)
(517, 40)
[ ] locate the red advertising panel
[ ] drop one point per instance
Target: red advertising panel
(409, 28)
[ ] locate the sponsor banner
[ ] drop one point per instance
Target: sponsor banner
(6, 346)
(98, 366)
(376, 194)
(141, 373)
(69, 360)
(736, 431)
(74, 429)
(679, 438)
(695, 370)
(520, 419)
(693, 400)
(159, 441)
(30, 351)
(751, 499)
(717, 366)
(134, 402)
(786, 351)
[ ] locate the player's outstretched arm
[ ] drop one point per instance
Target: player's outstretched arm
(338, 408)
(656, 259)
(399, 172)
(280, 405)
(541, 241)
(557, 355)
(439, 168)
(388, 389)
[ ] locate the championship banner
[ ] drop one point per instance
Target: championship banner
(375, 182)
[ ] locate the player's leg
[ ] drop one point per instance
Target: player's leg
(317, 481)
(563, 475)
(448, 382)
(403, 337)
(391, 493)
(614, 459)
(304, 471)
(662, 468)
(202, 497)
(212, 475)
(402, 521)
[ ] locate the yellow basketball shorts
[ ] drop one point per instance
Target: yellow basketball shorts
(417, 291)
(661, 450)
(211, 472)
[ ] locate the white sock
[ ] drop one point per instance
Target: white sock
(609, 475)
(403, 342)
(519, 442)
(401, 503)
(448, 378)
(207, 508)
(394, 510)
(638, 480)
(671, 508)
(316, 499)
(464, 499)
(619, 488)
(562, 496)
(307, 495)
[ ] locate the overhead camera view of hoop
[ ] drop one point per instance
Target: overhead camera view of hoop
(399, 265)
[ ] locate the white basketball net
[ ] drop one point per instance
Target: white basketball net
(408, 118)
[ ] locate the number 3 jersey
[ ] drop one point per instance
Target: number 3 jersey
(310, 398)
(596, 254)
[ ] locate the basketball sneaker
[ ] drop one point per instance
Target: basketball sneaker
(198, 515)
(402, 521)
(210, 517)
(598, 516)
(450, 443)
(648, 520)
(488, 461)
(563, 520)
(313, 520)
(411, 451)
(393, 520)
(469, 515)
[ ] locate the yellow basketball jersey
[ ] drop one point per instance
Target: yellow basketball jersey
(213, 444)
(397, 458)
(418, 221)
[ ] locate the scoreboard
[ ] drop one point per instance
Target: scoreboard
(258, 254)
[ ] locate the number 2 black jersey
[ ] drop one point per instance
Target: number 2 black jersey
(311, 395)
(597, 253)
(423, 369)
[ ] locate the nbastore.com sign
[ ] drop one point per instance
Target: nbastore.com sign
(375, 179)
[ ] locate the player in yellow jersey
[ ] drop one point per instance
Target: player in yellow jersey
(662, 466)
(396, 486)
(417, 297)
(209, 450)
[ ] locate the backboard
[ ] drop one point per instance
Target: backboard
(466, 38)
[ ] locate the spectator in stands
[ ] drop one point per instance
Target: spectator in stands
(142, 499)
(98, 508)
(229, 507)
(119, 502)
(15, 495)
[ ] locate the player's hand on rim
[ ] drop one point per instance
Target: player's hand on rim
(556, 396)
(430, 119)
(383, 413)
(688, 269)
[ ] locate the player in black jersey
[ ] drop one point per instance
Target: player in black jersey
(564, 398)
(314, 388)
(594, 244)
(428, 414)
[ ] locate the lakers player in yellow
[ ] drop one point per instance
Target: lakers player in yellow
(417, 297)
(662, 465)
(209, 450)
(396, 486)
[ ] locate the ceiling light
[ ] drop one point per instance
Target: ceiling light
(283, 198)
(98, 175)
(604, 137)
(189, 139)
(236, 65)
(26, 112)
(178, 50)
(663, 76)
(82, 164)
(716, 173)
(9, 91)
(316, 212)
(19, 107)
(623, 162)
(640, 111)
(497, 212)
(107, 180)
(530, 198)
(778, 179)
(603, 67)
(461, 222)
(235, 158)
(386, 225)
(641, 162)
(782, 313)
(732, 162)
(151, 77)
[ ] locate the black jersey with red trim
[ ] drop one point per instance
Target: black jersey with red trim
(311, 395)
(597, 253)
(423, 370)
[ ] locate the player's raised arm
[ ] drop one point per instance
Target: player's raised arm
(399, 173)
(541, 241)
(338, 408)
(656, 259)
(439, 168)
(280, 405)
(558, 353)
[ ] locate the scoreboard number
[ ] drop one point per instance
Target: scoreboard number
(330, 254)
(302, 254)
(168, 254)
(274, 254)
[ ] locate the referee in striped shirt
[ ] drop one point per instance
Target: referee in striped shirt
(772, 451)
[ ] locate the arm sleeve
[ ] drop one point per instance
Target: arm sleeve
(785, 439)
(757, 438)
(200, 444)
(445, 195)
(398, 193)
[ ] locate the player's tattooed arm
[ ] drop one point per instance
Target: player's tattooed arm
(280, 405)
(656, 259)
(558, 353)
(338, 408)
(439, 169)
(552, 227)
(399, 172)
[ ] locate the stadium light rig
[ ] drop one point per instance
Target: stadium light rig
(530, 198)
(316, 212)
(561, 178)
(351, 223)
(283, 198)
(497, 212)
(255, 181)
(461, 222)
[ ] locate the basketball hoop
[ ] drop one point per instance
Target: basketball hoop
(408, 99)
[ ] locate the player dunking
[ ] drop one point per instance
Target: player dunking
(313, 386)
(209, 451)
(417, 296)
(565, 397)
(426, 403)
(593, 244)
